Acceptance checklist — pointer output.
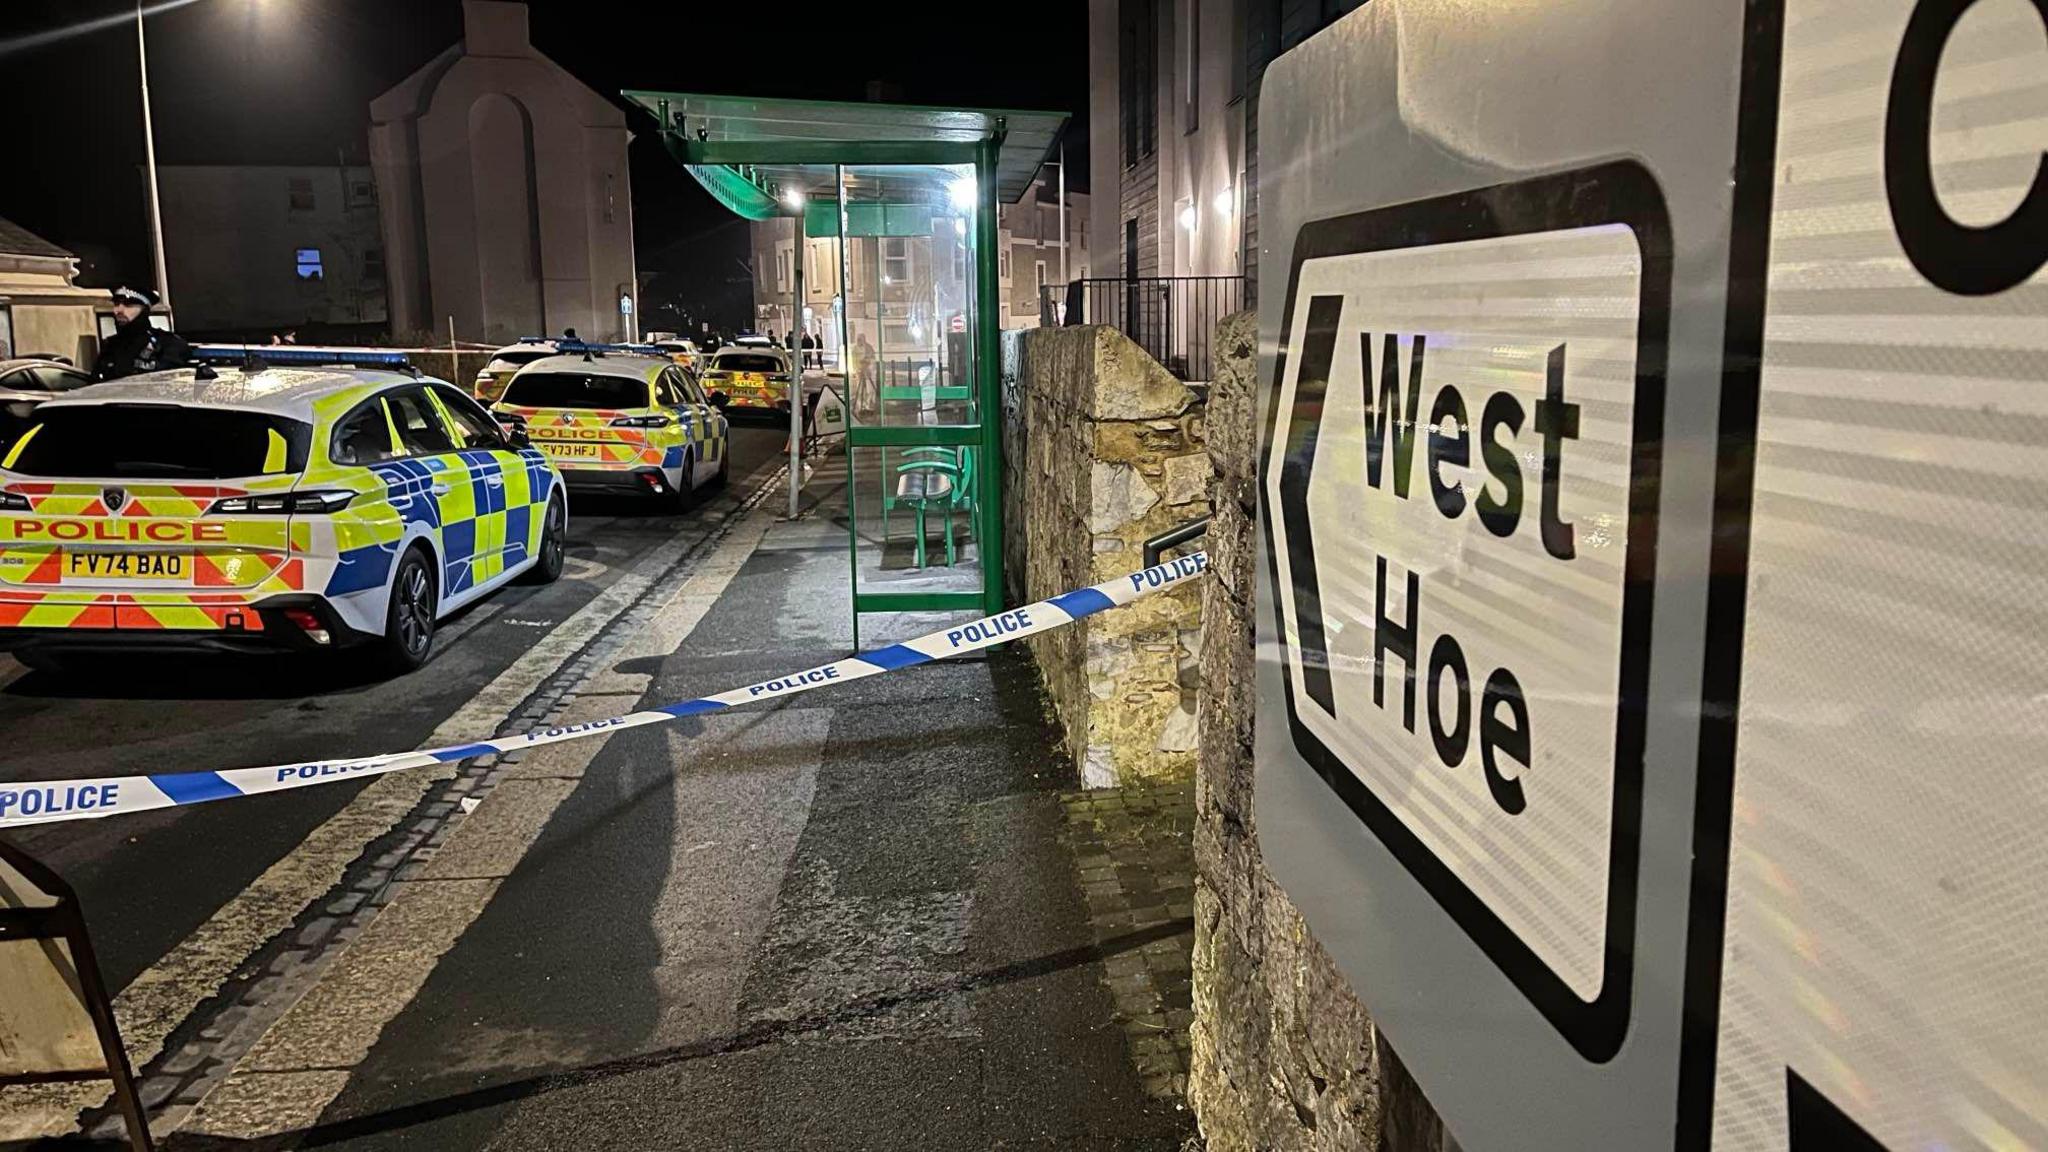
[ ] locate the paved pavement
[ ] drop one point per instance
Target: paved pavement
(1134, 857)
(849, 921)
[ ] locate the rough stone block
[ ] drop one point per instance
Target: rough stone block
(1118, 494)
(1187, 478)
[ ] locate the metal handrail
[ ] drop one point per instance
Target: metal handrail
(1174, 537)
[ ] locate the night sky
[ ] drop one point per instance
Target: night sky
(290, 82)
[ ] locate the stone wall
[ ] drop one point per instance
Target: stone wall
(1102, 449)
(1284, 1056)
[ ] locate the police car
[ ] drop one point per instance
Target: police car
(754, 377)
(615, 419)
(683, 352)
(287, 504)
(498, 371)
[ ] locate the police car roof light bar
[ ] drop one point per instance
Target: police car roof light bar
(301, 355)
(586, 347)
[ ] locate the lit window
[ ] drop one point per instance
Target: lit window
(895, 260)
(309, 264)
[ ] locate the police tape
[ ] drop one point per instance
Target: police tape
(49, 801)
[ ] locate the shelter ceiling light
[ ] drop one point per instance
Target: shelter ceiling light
(962, 194)
(793, 197)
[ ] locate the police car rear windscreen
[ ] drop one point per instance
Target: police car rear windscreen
(576, 390)
(153, 441)
(748, 362)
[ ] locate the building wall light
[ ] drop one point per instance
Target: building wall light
(1225, 201)
(1188, 216)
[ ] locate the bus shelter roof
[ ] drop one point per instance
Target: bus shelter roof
(749, 151)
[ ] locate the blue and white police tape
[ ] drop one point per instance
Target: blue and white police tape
(43, 802)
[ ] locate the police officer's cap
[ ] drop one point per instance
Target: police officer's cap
(140, 296)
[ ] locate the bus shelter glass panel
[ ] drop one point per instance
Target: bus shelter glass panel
(908, 311)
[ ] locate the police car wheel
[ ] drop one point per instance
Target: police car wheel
(677, 498)
(409, 621)
(554, 547)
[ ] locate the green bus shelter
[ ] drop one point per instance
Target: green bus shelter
(897, 208)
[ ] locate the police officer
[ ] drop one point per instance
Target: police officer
(136, 346)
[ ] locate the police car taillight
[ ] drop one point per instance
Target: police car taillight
(281, 504)
(641, 422)
(310, 624)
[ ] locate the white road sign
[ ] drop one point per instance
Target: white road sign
(1653, 638)
(1459, 422)
(1884, 980)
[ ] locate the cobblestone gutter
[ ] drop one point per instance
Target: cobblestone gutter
(1102, 449)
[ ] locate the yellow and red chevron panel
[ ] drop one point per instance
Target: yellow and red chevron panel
(584, 438)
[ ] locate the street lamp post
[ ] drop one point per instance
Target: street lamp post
(794, 198)
(156, 214)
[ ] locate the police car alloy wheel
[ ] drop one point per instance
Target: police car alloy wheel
(409, 625)
(547, 565)
(677, 497)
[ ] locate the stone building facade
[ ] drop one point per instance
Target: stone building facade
(503, 191)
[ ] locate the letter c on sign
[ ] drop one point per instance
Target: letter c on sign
(1958, 258)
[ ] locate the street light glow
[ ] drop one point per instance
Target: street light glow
(794, 198)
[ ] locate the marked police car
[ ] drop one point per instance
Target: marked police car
(287, 504)
(683, 352)
(498, 371)
(755, 378)
(613, 419)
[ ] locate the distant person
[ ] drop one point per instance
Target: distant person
(813, 354)
(136, 345)
(864, 374)
(569, 334)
